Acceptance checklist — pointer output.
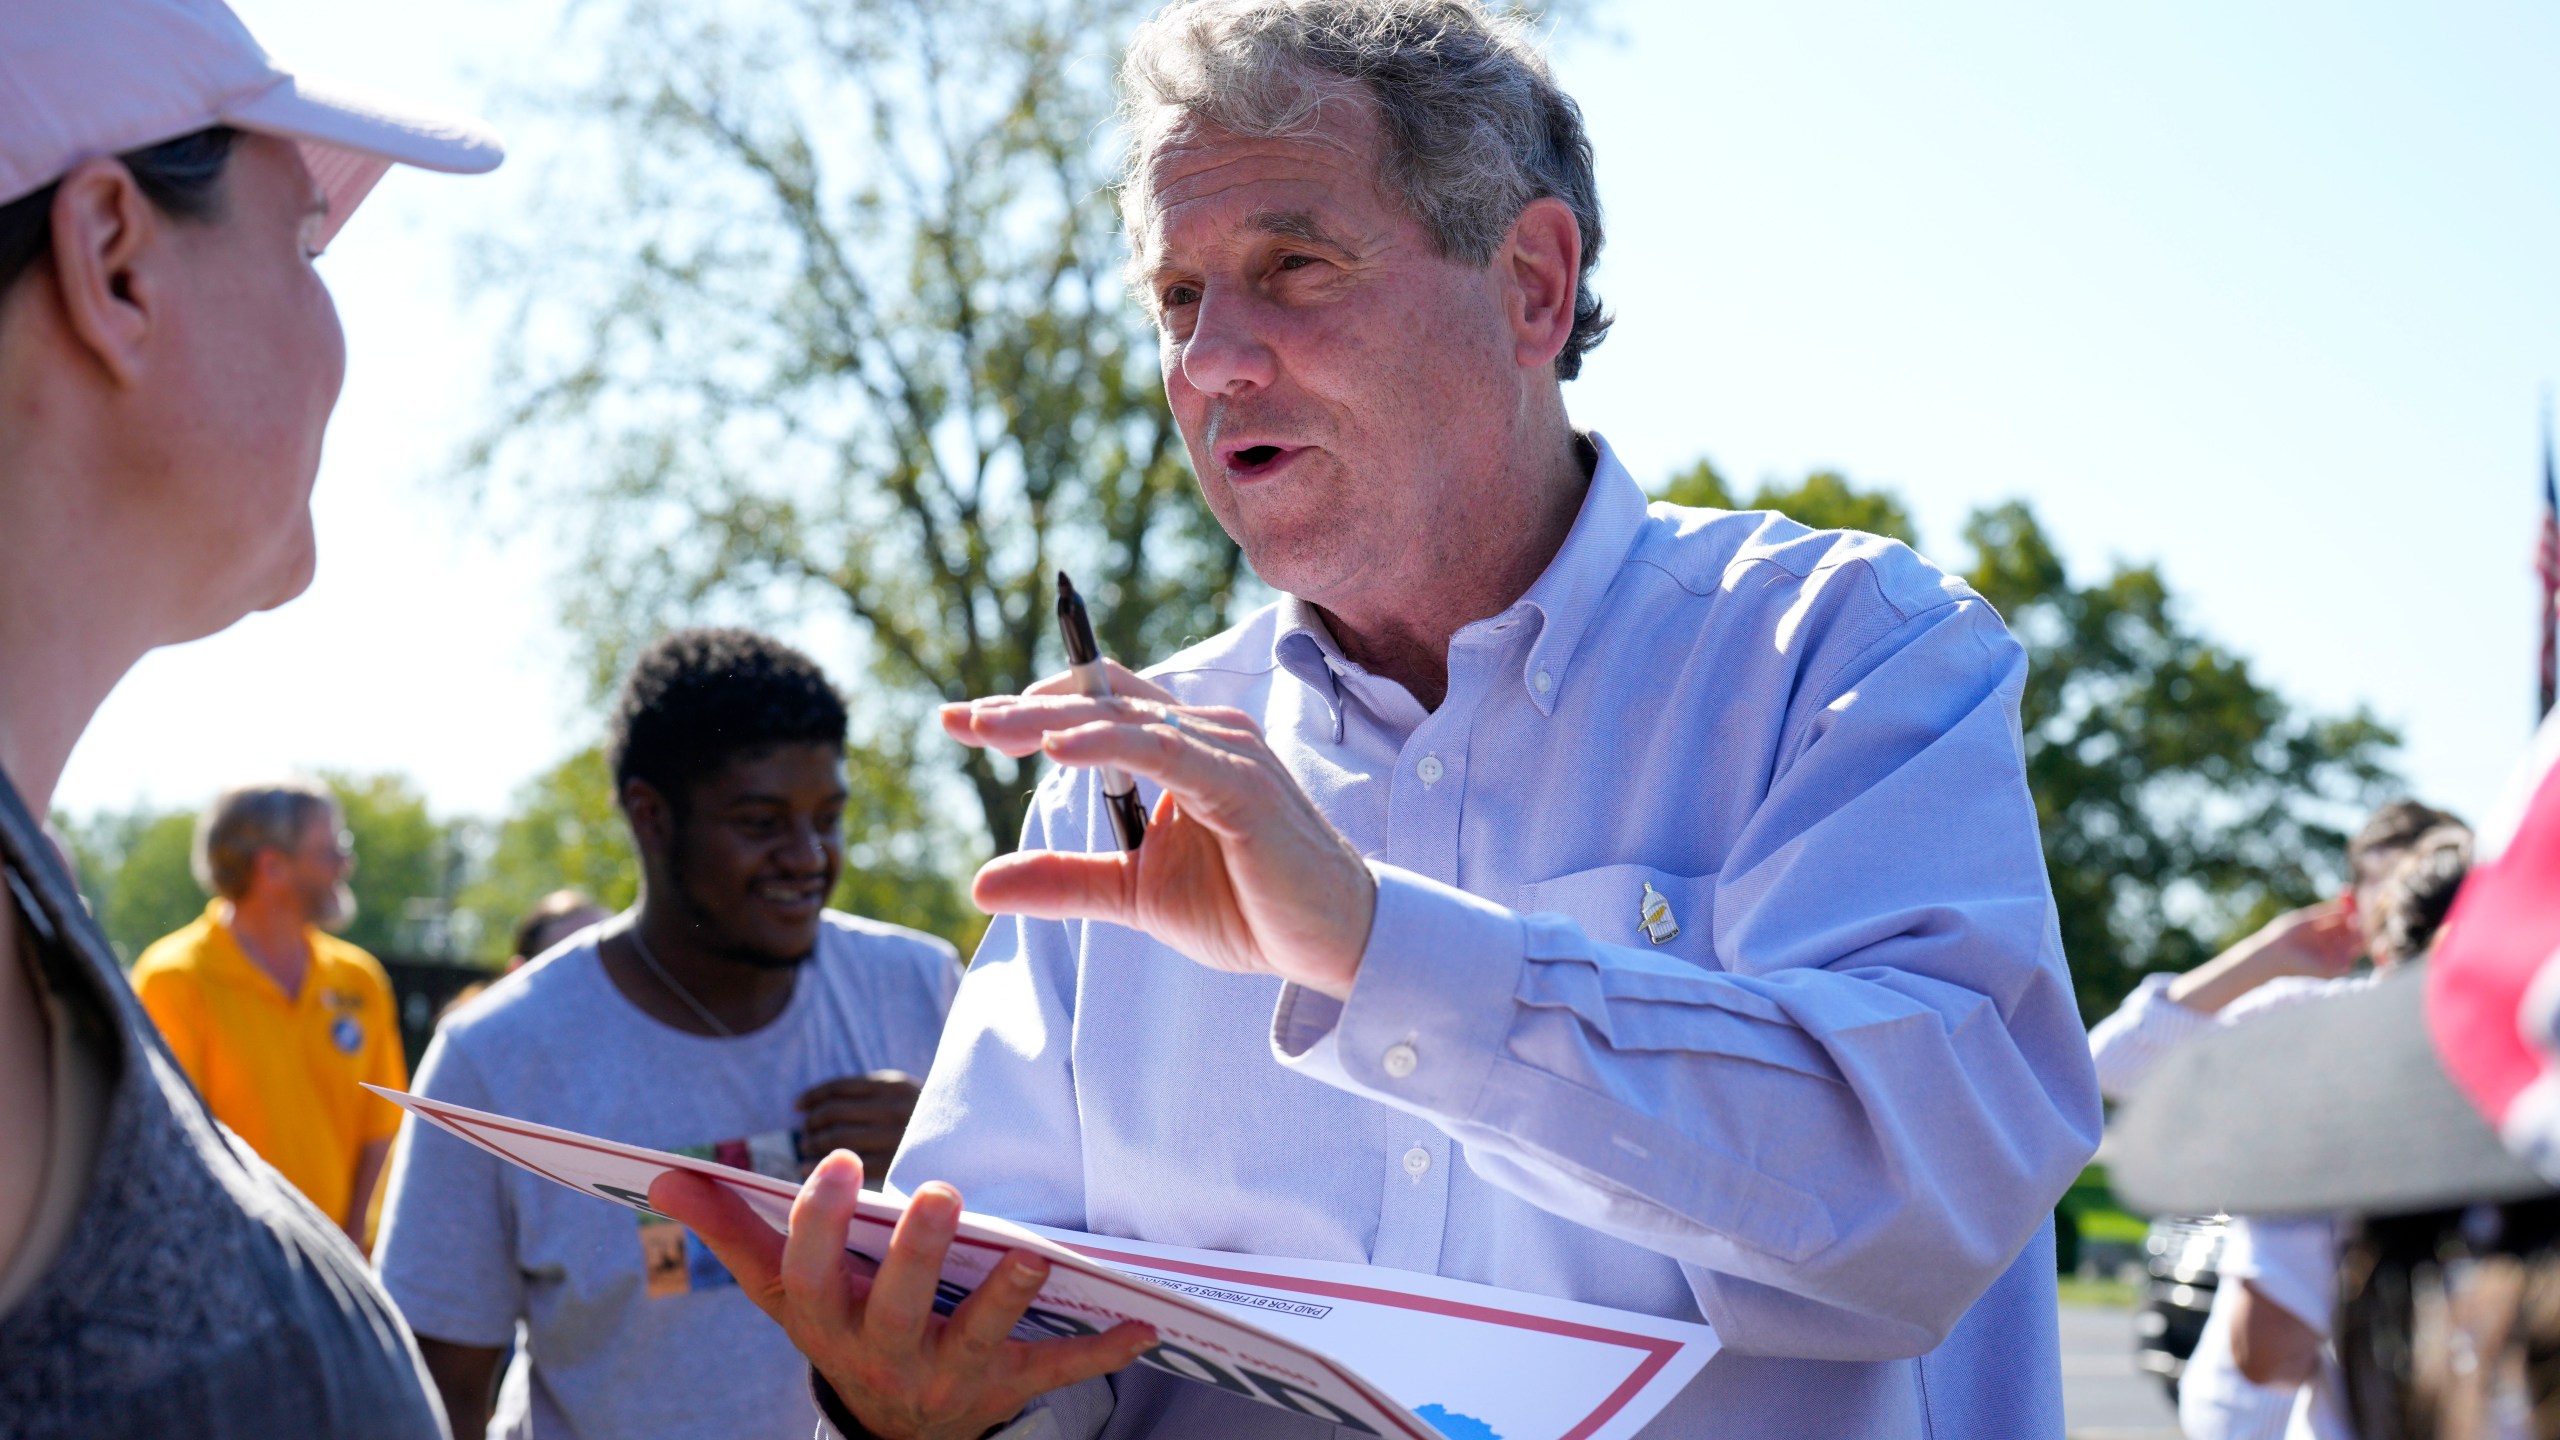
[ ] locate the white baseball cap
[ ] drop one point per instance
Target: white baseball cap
(84, 78)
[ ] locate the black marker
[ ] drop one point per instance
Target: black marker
(1084, 661)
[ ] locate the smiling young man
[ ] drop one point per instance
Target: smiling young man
(729, 1015)
(1633, 904)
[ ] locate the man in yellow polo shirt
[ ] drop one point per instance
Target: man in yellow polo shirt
(275, 1019)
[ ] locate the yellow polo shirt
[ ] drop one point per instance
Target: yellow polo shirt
(282, 1071)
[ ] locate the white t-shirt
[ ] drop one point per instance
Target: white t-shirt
(2216, 1401)
(2295, 1264)
(634, 1331)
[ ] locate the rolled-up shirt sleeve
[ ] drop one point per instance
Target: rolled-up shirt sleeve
(2129, 1044)
(1848, 1131)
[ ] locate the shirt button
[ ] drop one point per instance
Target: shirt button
(1417, 1162)
(1430, 770)
(1399, 1060)
(1545, 682)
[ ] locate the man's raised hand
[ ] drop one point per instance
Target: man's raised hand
(905, 1372)
(1240, 871)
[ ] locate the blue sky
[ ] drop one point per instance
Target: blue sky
(2263, 293)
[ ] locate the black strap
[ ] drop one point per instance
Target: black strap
(78, 964)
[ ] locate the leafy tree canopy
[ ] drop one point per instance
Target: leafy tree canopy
(2183, 801)
(843, 340)
(137, 867)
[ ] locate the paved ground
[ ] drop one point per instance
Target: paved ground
(2103, 1397)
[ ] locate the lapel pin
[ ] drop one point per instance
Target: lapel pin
(1653, 916)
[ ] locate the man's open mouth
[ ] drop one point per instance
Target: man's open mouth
(1248, 461)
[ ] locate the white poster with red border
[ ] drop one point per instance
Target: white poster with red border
(1436, 1359)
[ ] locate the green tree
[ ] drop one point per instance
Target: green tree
(409, 866)
(2182, 800)
(847, 337)
(565, 833)
(1824, 500)
(136, 869)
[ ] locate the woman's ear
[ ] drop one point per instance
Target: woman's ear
(108, 248)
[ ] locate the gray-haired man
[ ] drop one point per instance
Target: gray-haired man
(278, 1022)
(1642, 906)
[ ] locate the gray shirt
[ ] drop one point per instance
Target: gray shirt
(194, 1292)
(633, 1329)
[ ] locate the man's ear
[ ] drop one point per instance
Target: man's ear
(1541, 264)
(270, 871)
(652, 818)
(108, 246)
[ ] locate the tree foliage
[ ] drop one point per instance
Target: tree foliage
(408, 866)
(2183, 801)
(846, 337)
(136, 867)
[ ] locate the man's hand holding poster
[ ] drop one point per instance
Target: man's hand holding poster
(1437, 1358)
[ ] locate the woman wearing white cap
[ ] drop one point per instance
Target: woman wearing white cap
(168, 360)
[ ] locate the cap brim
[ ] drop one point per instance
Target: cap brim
(2337, 1105)
(349, 138)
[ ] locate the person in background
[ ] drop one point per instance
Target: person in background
(169, 356)
(280, 1023)
(728, 1015)
(2245, 1380)
(2281, 1274)
(2413, 1127)
(558, 915)
(2290, 958)
(554, 918)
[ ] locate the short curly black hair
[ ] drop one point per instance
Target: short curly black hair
(695, 699)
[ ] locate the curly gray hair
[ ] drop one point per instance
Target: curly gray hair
(1473, 125)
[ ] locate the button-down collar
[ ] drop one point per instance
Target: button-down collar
(1562, 602)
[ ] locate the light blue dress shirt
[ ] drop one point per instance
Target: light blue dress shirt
(1831, 1114)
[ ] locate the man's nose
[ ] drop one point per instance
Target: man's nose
(807, 849)
(1227, 353)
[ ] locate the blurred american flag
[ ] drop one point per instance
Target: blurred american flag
(2546, 564)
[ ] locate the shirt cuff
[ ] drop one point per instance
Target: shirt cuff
(1430, 1009)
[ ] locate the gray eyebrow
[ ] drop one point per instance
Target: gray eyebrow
(1294, 225)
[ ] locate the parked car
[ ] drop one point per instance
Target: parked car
(2182, 1264)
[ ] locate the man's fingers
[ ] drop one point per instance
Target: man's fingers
(875, 1085)
(902, 1294)
(865, 1141)
(1048, 1365)
(1058, 885)
(1214, 774)
(813, 1270)
(733, 1232)
(842, 1113)
(1016, 725)
(981, 1325)
(1124, 681)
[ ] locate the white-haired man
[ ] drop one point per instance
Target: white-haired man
(1638, 905)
